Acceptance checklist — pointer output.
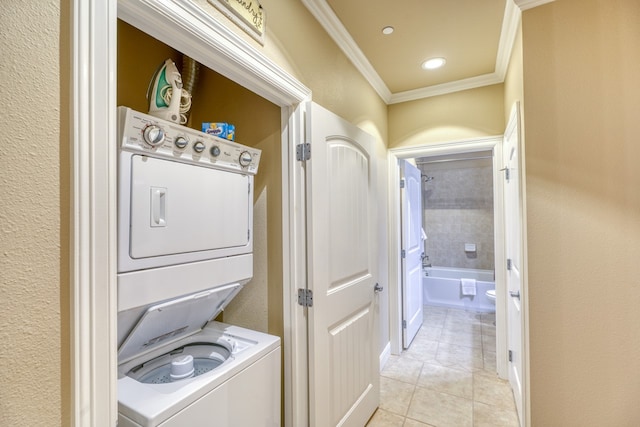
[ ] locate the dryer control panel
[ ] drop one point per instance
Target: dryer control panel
(143, 133)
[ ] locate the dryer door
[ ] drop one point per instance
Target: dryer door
(178, 208)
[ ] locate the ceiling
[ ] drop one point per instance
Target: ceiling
(475, 37)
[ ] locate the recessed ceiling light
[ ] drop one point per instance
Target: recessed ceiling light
(433, 63)
(387, 30)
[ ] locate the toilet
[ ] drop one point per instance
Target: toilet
(491, 294)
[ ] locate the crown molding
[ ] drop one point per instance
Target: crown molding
(510, 24)
(530, 4)
(332, 25)
(445, 88)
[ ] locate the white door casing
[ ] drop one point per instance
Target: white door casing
(514, 255)
(412, 251)
(188, 28)
(342, 271)
(494, 144)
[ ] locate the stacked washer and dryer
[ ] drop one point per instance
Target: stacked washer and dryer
(185, 249)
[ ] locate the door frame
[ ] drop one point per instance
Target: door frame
(515, 120)
(93, 308)
(493, 143)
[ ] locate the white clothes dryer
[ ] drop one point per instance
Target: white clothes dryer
(185, 224)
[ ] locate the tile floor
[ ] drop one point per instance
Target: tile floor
(447, 377)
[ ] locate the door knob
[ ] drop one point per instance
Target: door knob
(377, 288)
(515, 294)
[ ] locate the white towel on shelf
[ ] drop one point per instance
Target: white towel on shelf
(468, 286)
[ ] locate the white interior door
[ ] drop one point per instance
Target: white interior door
(412, 251)
(341, 240)
(513, 247)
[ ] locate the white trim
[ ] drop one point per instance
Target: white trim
(524, 288)
(385, 355)
(93, 216)
(530, 4)
(287, 267)
(461, 146)
(336, 30)
(516, 120)
(296, 409)
(499, 249)
(510, 23)
(395, 280)
(93, 317)
(445, 88)
(492, 143)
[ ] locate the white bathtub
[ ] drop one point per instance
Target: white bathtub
(441, 287)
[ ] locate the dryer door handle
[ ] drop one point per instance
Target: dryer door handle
(158, 207)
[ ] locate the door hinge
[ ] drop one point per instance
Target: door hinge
(404, 324)
(510, 356)
(402, 183)
(305, 297)
(509, 264)
(303, 152)
(403, 254)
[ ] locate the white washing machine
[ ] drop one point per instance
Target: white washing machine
(185, 223)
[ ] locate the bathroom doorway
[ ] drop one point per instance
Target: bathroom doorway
(489, 149)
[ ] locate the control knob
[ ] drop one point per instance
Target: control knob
(199, 147)
(181, 142)
(153, 135)
(245, 159)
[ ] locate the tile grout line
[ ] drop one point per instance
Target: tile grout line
(463, 318)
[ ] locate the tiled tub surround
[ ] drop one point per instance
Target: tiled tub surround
(447, 377)
(458, 209)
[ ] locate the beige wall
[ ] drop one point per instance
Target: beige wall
(34, 215)
(582, 111)
(513, 89)
(453, 117)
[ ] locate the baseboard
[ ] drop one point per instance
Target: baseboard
(384, 356)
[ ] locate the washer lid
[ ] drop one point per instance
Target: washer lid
(175, 319)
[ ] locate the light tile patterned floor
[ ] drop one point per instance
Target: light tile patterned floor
(448, 376)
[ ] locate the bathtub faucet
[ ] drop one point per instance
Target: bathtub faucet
(424, 259)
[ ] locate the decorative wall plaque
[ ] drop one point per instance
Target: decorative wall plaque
(246, 14)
